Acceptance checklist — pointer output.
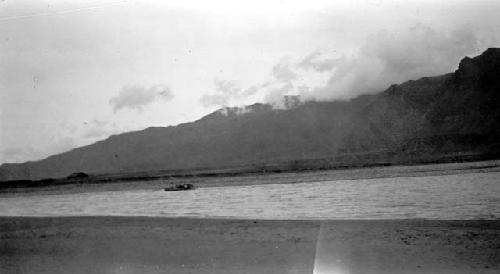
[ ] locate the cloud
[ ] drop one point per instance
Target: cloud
(209, 100)
(316, 61)
(136, 97)
(275, 95)
(285, 77)
(229, 88)
(282, 72)
(387, 58)
(225, 91)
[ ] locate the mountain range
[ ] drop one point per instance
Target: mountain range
(451, 117)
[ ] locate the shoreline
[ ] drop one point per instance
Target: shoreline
(290, 177)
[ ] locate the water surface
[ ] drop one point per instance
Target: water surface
(459, 196)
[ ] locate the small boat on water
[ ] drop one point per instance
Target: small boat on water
(179, 187)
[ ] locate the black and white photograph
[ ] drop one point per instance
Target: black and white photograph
(250, 137)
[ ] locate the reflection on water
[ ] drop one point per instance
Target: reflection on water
(461, 196)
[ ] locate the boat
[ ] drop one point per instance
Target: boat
(180, 187)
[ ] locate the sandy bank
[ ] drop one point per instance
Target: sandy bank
(162, 245)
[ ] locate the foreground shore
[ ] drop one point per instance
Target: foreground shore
(169, 245)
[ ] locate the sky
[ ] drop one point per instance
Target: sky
(75, 72)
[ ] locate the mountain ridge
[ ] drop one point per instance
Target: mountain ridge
(415, 121)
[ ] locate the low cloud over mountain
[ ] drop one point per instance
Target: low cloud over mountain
(137, 97)
(386, 57)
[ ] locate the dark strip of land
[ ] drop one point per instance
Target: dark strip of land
(223, 179)
(298, 166)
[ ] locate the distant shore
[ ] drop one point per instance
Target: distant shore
(180, 245)
(236, 179)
